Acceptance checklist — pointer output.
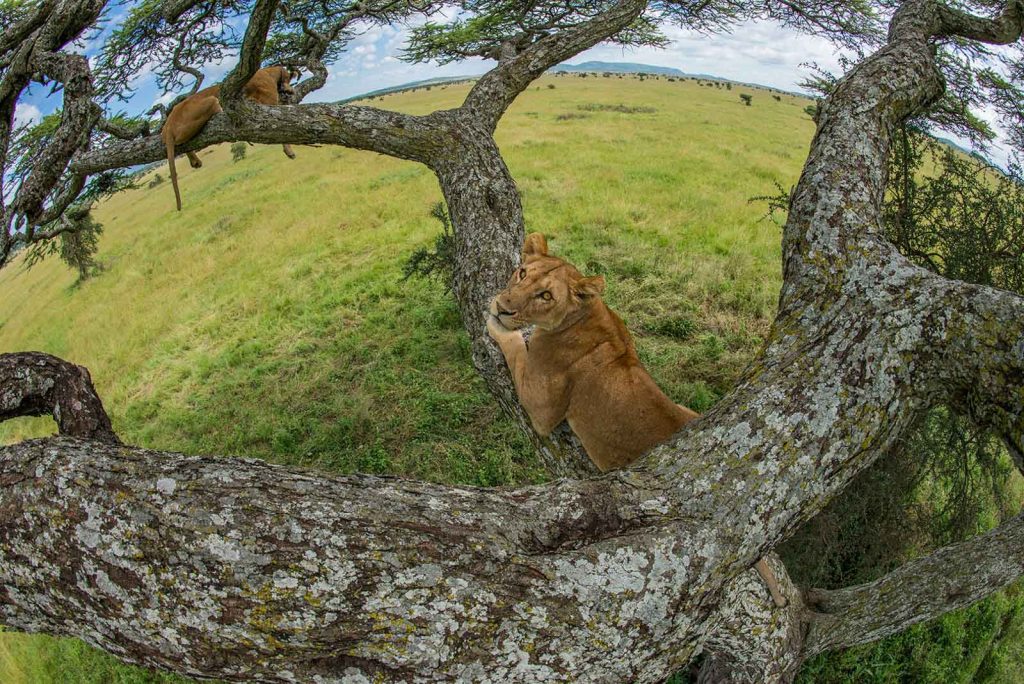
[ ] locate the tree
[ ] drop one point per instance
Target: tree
(235, 569)
(238, 151)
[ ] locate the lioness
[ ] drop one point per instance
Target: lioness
(581, 366)
(190, 115)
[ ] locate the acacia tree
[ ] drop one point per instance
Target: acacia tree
(236, 569)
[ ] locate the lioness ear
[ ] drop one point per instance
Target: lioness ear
(535, 245)
(588, 287)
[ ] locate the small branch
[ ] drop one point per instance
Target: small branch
(37, 384)
(494, 91)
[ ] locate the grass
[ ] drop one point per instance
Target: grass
(269, 319)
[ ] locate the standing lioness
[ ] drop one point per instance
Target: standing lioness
(581, 365)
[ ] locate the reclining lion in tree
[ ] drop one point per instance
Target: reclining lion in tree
(190, 115)
(581, 366)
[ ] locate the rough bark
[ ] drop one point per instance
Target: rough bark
(37, 384)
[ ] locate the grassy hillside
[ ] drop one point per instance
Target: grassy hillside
(268, 318)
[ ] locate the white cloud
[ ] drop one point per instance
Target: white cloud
(26, 114)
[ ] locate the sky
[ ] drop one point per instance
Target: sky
(757, 52)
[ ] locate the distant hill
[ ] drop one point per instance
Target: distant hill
(623, 68)
(412, 85)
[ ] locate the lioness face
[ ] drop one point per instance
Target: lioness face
(545, 291)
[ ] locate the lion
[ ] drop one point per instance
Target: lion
(581, 366)
(190, 115)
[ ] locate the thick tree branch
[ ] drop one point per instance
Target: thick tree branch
(14, 35)
(37, 384)
(245, 571)
(78, 117)
(401, 135)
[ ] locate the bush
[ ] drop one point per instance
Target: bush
(777, 98)
(746, 98)
(238, 151)
(157, 180)
(439, 263)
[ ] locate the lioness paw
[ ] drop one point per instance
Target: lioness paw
(495, 329)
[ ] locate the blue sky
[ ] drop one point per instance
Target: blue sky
(758, 52)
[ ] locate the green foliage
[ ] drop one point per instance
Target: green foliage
(746, 98)
(487, 25)
(960, 217)
(238, 151)
(439, 263)
(155, 181)
(76, 246)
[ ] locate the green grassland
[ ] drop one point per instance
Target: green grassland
(269, 317)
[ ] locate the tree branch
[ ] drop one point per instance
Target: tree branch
(79, 115)
(418, 138)
(251, 55)
(953, 577)
(494, 91)
(37, 384)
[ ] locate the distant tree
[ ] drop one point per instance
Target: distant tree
(238, 151)
(746, 98)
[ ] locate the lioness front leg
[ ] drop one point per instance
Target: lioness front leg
(512, 345)
(545, 403)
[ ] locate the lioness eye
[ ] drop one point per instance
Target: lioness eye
(522, 273)
(546, 296)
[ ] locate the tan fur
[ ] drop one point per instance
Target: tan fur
(190, 115)
(581, 365)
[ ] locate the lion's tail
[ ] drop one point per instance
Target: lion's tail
(169, 141)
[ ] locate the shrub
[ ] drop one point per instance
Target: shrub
(439, 263)
(777, 98)
(238, 151)
(157, 180)
(676, 327)
(551, 86)
(746, 98)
